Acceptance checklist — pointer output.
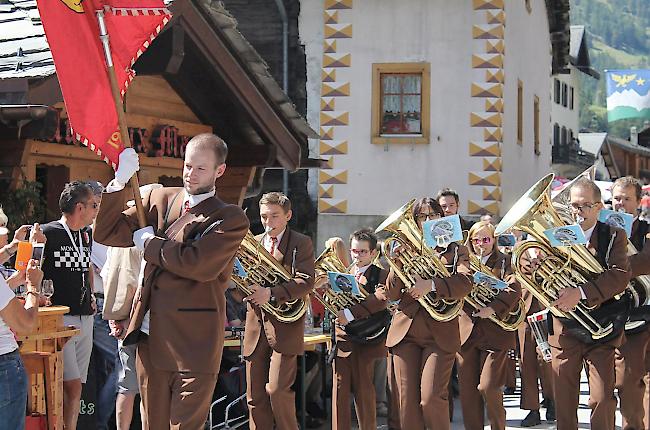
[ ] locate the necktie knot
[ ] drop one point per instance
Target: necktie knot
(274, 244)
(186, 207)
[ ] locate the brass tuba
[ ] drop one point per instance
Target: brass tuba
(416, 259)
(638, 287)
(481, 296)
(333, 301)
(562, 267)
(263, 269)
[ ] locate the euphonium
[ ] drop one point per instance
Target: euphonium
(481, 296)
(263, 269)
(416, 259)
(333, 301)
(638, 287)
(562, 266)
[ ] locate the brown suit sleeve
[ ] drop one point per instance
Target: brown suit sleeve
(458, 285)
(615, 278)
(114, 227)
(393, 287)
(506, 300)
(298, 287)
(205, 258)
(640, 262)
(371, 304)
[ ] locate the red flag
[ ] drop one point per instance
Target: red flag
(72, 32)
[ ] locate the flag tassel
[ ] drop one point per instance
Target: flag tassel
(121, 117)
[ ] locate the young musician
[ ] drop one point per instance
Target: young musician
(482, 361)
(355, 357)
(271, 346)
(631, 356)
(423, 348)
(608, 245)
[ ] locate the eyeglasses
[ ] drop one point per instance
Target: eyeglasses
(94, 204)
(483, 240)
(423, 217)
(360, 251)
(577, 208)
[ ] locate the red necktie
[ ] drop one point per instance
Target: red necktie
(186, 207)
(274, 242)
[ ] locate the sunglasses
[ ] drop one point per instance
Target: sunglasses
(482, 240)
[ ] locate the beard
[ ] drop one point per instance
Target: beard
(200, 190)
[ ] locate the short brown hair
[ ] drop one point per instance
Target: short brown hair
(276, 198)
(448, 192)
(629, 181)
(213, 143)
(365, 234)
(588, 184)
(427, 201)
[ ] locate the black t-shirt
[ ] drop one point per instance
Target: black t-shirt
(69, 272)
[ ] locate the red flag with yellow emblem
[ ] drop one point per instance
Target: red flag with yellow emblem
(72, 32)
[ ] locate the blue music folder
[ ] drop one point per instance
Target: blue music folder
(343, 282)
(490, 281)
(566, 235)
(238, 270)
(442, 231)
(617, 219)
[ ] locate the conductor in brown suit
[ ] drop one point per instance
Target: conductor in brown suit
(271, 347)
(484, 352)
(189, 248)
(355, 356)
(424, 349)
(569, 352)
(631, 356)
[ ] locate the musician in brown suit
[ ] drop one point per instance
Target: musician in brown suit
(482, 360)
(631, 356)
(424, 349)
(189, 259)
(355, 355)
(271, 347)
(608, 245)
(533, 367)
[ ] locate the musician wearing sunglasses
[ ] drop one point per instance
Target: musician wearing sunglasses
(484, 352)
(355, 353)
(424, 349)
(632, 355)
(570, 346)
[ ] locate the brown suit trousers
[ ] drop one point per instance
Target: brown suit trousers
(422, 372)
(353, 373)
(630, 371)
(269, 377)
(481, 376)
(393, 394)
(532, 367)
(175, 400)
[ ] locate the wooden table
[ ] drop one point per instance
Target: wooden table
(49, 337)
(310, 342)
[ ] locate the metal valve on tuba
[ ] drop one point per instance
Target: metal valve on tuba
(482, 294)
(333, 301)
(263, 269)
(414, 259)
(562, 267)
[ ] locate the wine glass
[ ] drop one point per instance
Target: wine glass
(47, 288)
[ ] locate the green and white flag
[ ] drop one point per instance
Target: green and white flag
(628, 94)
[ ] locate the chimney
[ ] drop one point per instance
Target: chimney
(634, 136)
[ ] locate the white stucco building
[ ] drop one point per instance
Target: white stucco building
(569, 157)
(412, 96)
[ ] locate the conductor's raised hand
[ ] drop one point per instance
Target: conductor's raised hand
(129, 164)
(260, 296)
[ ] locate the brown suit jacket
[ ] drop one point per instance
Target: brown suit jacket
(286, 338)
(612, 281)
(186, 275)
(640, 262)
(457, 286)
(491, 335)
(370, 305)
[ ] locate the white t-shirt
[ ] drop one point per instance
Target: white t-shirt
(7, 339)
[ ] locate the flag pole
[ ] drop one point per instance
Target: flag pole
(121, 117)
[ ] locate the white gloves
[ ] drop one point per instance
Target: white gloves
(129, 164)
(140, 236)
